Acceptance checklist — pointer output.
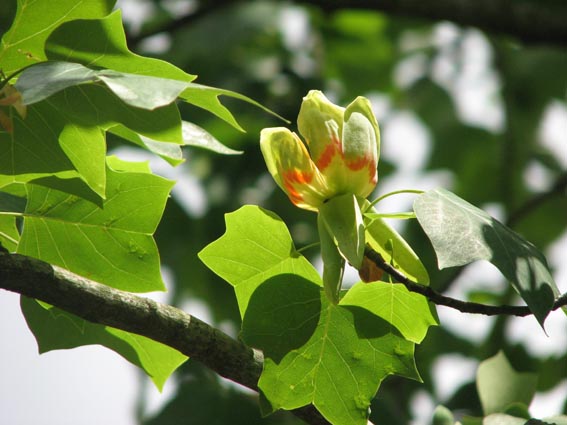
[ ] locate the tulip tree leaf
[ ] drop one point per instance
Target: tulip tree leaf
(462, 233)
(409, 312)
(40, 81)
(63, 136)
(500, 386)
(208, 98)
(80, 41)
(115, 242)
(55, 329)
(9, 234)
(256, 246)
(195, 136)
(23, 43)
(333, 262)
(343, 219)
(394, 249)
(344, 355)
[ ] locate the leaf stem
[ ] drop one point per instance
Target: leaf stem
(395, 192)
(306, 247)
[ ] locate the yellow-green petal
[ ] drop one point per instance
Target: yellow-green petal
(291, 167)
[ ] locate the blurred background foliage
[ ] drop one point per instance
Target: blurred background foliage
(482, 115)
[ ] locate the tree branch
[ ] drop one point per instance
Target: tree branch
(528, 20)
(438, 299)
(102, 304)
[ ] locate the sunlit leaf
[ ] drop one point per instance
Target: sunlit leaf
(394, 249)
(115, 241)
(23, 44)
(409, 312)
(82, 40)
(208, 98)
(255, 247)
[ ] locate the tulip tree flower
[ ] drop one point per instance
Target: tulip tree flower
(332, 173)
(340, 155)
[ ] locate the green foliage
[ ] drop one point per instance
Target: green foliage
(461, 233)
(79, 209)
(64, 200)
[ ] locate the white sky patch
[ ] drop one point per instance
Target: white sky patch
(422, 406)
(63, 386)
(450, 372)
(135, 13)
(536, 177)
(553, 130)
(465, 70)
(549, 403)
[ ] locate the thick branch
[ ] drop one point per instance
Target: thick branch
(102, 304)
(463, 306)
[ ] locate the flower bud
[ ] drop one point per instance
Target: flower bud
(343, 152)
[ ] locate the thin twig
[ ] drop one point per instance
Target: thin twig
(439, 299)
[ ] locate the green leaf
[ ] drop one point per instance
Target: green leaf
(115, 242)
(343, 220)
(208, 98)
(55, 329)
(333, 262)
(101, 43)
(63, 136)
(499, 385)
(40, 81)
(256, 246)
(341, 364)
(409, 312)
(9, 235)
(461, 233)
(193, 135)
(170, 152)
(35, 20)
(383, 239)
(442, 416)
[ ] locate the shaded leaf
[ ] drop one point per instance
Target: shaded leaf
(115, 242)
(343, 219)
(339, 368)
(55, 329)
(499, 385)
(462, 233)
(333, 262)
(39, 82)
